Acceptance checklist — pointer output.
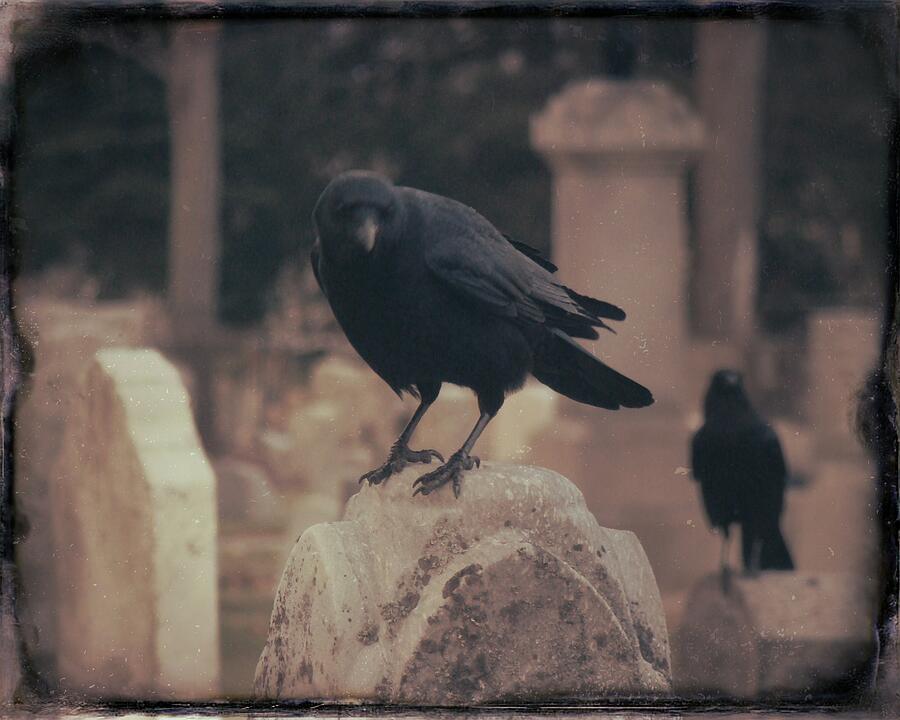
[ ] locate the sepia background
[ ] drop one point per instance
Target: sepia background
(164, 173)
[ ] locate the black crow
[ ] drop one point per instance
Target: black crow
(428, 291)
(737, 459)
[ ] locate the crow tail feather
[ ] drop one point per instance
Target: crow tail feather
(565, 366)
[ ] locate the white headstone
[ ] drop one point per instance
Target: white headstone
(63, 337)
(134, 514)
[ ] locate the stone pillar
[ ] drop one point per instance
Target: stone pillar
(194, 223)
(512, 592)
(729, 85)
(618, 151)
(134, 515)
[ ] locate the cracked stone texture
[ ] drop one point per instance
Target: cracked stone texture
(512, 592)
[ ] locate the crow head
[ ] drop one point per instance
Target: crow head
(354, 212)
(726, 394)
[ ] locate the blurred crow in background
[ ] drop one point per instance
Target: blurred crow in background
(428, 291)
(738, 461)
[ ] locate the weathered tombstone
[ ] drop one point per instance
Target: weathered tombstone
(511, 592)
(134, 515)
(619, 152)
(843, 348)
(778, 634)
(63, 337)
(831, 524)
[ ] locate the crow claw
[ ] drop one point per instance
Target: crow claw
(450, 472)
(399, 457)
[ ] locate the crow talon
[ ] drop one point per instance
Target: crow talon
(377, 476)
(399, 457)
(422, 456)
(450, 472)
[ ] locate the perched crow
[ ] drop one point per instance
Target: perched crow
(737, 459)
(428, 291)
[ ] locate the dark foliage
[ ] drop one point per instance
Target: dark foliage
(438, 104)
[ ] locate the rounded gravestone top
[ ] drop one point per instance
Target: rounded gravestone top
(602, 116)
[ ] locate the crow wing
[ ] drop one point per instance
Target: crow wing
(476, 261)
(709, 460)
(771, 457)
(769, 468)
(532, 254)
(314, 262)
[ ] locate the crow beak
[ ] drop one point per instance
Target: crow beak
(367, 233)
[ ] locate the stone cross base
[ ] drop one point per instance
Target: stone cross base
(512, 592)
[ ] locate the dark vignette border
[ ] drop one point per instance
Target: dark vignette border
(883, 390)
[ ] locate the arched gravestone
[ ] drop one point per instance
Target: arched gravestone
(512, 592)
(134, 515)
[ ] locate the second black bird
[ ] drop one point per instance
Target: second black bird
(428, 291)
(738, 461)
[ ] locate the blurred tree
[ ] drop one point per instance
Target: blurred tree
(439, 104)
(90, 158)
(827, 124)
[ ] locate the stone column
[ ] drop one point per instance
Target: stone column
(618, 151)
(728, 81)
(194, 225)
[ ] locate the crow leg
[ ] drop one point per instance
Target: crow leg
(723, 561)
(751, 541)
(461, 460)
(400, 455)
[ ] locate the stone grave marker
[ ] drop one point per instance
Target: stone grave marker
(512, 592)
(134, 518)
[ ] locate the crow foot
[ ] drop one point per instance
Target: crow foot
(399, 457)
(451, 472)
(726, 580)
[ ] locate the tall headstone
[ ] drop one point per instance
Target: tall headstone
(134, 515)
(843, 349)
(63, 337)
(619, 152)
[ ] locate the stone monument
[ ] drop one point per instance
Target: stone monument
(512, 592)
(134, 520)
(619, 152)
(64, 336)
